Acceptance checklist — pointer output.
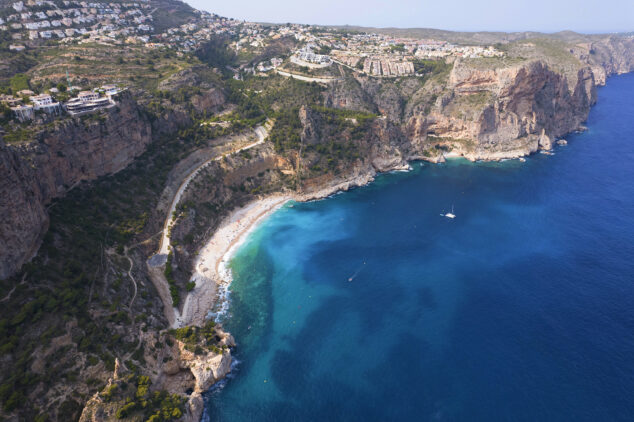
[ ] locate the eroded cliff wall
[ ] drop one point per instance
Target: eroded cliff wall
(61, 155)
(502, 113)
(479, 111)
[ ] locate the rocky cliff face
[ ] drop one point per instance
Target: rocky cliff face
(183, 368)
(192, 374)
(61, 156)
(480, 113)
(502, 113)
(23, 217)
(610, 56)
(207, 96)
(72, 150)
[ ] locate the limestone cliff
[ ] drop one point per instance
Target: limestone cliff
(479, 112)
(61, 155)
(609, 56)
(502, 113)
(193, 374)
(493, 109)
(69, 151)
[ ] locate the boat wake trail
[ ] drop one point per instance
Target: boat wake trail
(356, 273)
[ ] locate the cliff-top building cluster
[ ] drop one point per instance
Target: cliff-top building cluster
(85, 102)
(29, 22)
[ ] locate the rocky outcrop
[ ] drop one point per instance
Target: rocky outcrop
(311, 123)
(60, 157)
(350, 93)
(209, 96)
(191, 374)
(201, 370)
(186, 369)
(208, 100)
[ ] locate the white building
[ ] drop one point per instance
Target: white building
(86, 96)
(110, 90)
(307, 54)
(88, 101)
(45, 103)
(42, 100)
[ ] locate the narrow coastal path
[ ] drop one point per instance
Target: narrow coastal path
(131, 278)
(8, 296)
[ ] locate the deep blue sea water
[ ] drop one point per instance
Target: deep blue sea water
(370, 306)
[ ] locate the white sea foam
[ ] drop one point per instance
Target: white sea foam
(211, 296)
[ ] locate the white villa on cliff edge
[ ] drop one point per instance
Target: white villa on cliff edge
(85, 102)
(88, 101)
(45, 103)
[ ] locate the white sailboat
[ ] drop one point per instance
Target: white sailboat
(449, 214)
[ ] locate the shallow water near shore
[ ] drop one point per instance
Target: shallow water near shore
(371, 306)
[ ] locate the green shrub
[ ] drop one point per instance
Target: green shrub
(19, 82)
(126, 410)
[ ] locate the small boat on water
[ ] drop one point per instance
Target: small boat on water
(449, 214)
(522, 159)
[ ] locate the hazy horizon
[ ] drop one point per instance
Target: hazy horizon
(585, 16)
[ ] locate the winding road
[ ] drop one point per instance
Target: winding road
(164, 248)
(324, 80)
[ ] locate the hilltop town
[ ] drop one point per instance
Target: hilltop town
(369, 53)
(29, 23)
(34, 24)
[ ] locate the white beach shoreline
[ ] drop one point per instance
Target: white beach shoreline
(211, 272)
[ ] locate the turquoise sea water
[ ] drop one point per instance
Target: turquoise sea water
(371, 306)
